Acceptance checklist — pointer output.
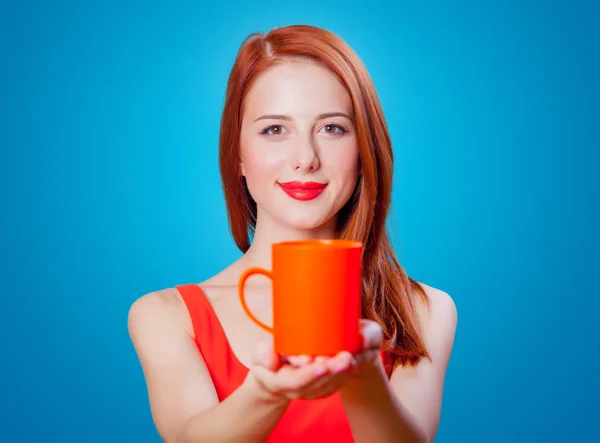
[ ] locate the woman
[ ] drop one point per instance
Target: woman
(300, 107)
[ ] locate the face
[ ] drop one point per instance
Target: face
(298, 149)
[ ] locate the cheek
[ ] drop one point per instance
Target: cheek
(344, 162)
(262, 164)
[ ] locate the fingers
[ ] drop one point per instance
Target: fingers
(371, 333)
(302, 360)
(338, 366)
(321, 359)
(322, 387)
(318, 378)
(341, 362)
(289, 379)
(299, 360)
(366, 356)
(331, 382)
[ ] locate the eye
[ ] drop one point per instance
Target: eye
(331, 129)
(275, 130)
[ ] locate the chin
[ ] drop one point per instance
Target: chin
(303, 221)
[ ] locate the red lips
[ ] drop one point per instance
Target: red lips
(303, 190)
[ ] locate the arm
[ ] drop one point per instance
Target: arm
(242, 417)
(407, 407)
(183, 401)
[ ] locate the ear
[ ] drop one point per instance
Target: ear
(242, 169)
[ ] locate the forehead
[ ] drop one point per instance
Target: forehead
(301, 90)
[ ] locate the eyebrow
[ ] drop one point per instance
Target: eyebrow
(287, 117)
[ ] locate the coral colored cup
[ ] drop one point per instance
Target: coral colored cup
(316, 296)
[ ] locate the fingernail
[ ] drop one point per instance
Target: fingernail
(340, 368)
(320, 371)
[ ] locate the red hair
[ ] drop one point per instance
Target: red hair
(387, 290)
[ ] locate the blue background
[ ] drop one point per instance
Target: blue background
(110, 189)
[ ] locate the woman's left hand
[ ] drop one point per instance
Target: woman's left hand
(372, 341)
(366, 357)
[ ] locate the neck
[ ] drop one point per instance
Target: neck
(269, 231)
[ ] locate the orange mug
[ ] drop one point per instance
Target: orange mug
(316, 296)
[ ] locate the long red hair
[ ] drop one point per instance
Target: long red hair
(387, 290)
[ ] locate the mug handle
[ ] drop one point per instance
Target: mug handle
(245, 275)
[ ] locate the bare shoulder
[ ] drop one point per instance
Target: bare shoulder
(155, 310)
(441, 312)
(168, 297)
(164, 301)
(178, 382)
(439, 298)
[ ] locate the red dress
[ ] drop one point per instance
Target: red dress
(320, 420)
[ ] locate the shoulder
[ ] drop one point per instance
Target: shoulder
(162, 302)
(156, 311)
(439, 315)
(439, 299)
(178, 382)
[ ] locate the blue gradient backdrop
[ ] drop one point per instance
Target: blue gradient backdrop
(110, 189)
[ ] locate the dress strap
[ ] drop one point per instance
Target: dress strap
(225, 370)
(196, 304)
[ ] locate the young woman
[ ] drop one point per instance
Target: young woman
(300, 112)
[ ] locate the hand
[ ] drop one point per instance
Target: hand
(372, 341)
(364, 360)
(282, 379)
(308, 378)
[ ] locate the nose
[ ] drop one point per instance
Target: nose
(306, 157)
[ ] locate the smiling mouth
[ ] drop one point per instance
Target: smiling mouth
(303, 191)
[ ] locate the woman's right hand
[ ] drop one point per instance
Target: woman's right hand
(275, 379)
